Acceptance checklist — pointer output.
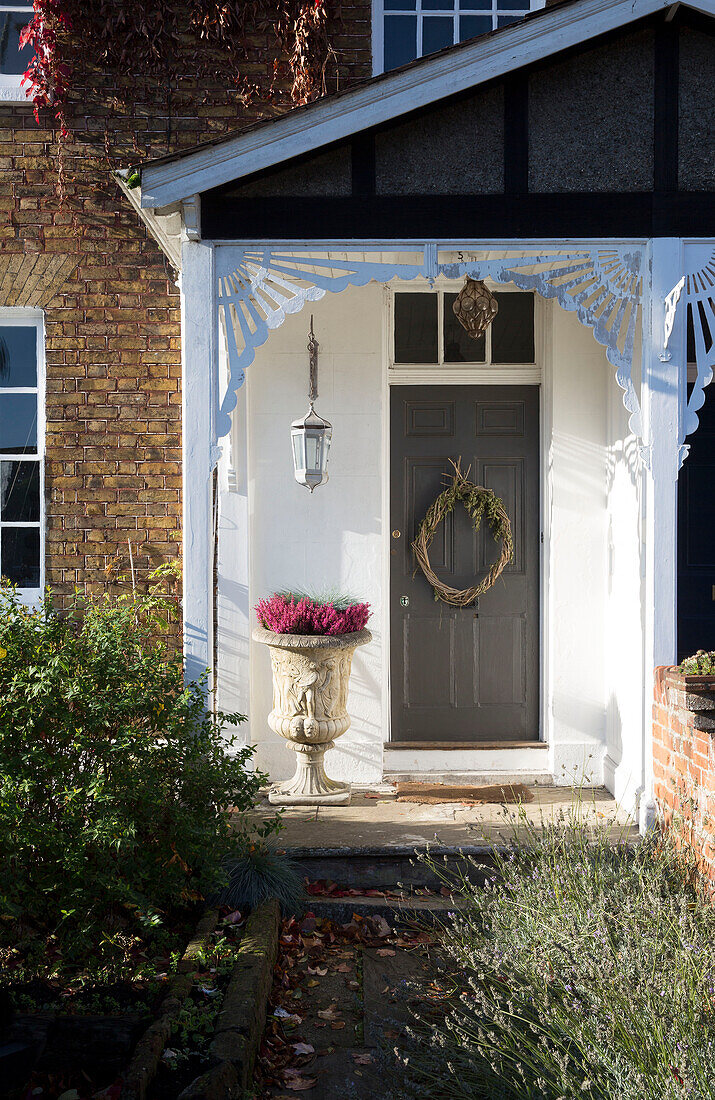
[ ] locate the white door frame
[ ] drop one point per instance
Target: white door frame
(532, 375)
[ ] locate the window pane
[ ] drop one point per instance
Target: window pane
(513, 5)
(472, 25)
(476, 5)
(504, 20)
(513, 329)
(415, 328)
(20, 491)
(437, 32)
(459, 347)
(437, 5)
(400, 5)
(13, 60)
(400, 40)
(20, 561)
(18, 356)
(18, 423)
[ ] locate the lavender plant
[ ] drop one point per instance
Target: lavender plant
(583, 968)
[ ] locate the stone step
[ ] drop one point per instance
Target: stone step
(396, 911)
(378, 868)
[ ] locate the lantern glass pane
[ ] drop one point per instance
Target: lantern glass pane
(459, 347)
(312, 451)
(513, 329)
(298, 454)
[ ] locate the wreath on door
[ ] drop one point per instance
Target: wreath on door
(478, 502)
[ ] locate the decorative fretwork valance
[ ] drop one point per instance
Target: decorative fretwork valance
(256, 288)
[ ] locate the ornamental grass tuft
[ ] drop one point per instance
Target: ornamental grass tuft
(583, 969)
(259, 872)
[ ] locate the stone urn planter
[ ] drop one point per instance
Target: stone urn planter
(311, 673)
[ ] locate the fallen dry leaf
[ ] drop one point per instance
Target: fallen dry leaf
(362, 1059)
(297, 1083)
(384, 951)
(337, 1025)
(330, 1013)
(343, 968)
(319, 970)
(303, 1048)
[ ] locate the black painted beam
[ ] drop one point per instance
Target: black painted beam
(665, 128)
(426, 217)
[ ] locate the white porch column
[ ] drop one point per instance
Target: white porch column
(663, 390)
(198, 356)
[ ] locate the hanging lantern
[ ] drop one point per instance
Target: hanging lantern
(311, 435)
(475, 307)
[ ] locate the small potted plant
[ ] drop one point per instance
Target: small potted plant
(311, 643)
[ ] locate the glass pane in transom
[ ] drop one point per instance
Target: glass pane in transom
(415, 328)
(513, 329)
(18, 356)
(19, 492)
(459, 346)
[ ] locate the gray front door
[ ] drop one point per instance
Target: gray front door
(465, 674)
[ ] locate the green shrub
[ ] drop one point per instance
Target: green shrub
(115, 782)
(580, 971)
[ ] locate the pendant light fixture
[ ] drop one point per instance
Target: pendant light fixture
(310, 436)
(475, 307)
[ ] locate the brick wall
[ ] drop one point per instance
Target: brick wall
(684, 759)
(113, 445)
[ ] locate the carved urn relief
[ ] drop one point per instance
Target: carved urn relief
(310, 697)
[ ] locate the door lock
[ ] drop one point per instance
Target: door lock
(396, 534)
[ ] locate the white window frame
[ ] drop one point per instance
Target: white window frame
(18, 317)
(11, 87)
(445, 368)
(379, 13)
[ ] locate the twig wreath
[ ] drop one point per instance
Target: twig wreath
(478, 502)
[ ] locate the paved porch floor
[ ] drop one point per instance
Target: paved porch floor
(376, 819)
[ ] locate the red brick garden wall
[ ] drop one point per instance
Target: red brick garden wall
(110, 302)
(684, 759)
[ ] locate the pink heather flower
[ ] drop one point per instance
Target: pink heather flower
(286, 615)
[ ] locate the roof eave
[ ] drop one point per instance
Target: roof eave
(448, 73)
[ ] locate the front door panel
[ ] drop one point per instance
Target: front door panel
(465, 674)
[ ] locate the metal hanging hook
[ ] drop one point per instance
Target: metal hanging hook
(313, 346)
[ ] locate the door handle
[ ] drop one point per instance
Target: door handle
(396, 534)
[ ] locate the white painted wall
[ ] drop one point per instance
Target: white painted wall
(579, 383)
(623, 765)
(334, 538)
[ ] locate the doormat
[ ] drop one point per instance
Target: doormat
(509, 793)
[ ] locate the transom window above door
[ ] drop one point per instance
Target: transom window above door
(406, 29)
(426, 331)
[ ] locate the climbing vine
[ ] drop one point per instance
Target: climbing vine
(173, 41)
